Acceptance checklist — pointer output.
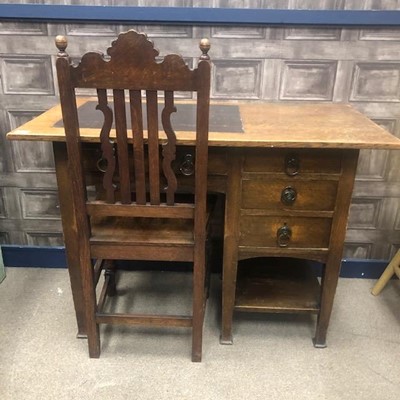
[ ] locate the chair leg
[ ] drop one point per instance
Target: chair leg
(208, 270)
(89, 291)
(110, 273)
(386, 275)
(198, 305)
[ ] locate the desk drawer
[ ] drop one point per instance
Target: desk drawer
(183, 163)
(284, 232)
(293, 162)
(288, 194)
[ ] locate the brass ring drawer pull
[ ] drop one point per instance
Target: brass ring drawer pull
(292, 164)
(187, 165)
(283, 235)
(288, 195)
(102, 164)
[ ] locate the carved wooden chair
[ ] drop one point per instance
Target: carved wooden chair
(139, 215)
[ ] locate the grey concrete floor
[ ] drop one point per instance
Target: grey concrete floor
(272, 356)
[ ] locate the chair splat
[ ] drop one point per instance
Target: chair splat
(169, 148)
(135, 100)
(122, 145)
(153, 146)
(106, 145)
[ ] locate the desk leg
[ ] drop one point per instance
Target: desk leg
(70, 239)
(329, 282)
(228, 293)
(231, 242)
(332, 268)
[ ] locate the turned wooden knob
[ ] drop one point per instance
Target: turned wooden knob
(205, 46)
(61, 44)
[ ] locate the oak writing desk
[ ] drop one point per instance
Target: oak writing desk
(287, 172)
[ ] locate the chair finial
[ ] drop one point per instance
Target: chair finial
(205, 47)
(61, 43)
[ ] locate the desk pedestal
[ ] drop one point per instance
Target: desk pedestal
(291, 204)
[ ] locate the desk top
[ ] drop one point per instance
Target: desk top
(293, 125)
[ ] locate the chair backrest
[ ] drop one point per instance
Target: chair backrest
(130, 69)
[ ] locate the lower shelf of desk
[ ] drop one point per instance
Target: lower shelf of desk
(277, 286)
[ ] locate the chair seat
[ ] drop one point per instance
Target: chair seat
(142, 231)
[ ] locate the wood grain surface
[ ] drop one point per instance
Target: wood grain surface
(285, 125)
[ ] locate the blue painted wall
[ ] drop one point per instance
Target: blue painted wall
(198, 16)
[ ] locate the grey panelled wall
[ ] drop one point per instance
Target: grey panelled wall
(356, 66)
